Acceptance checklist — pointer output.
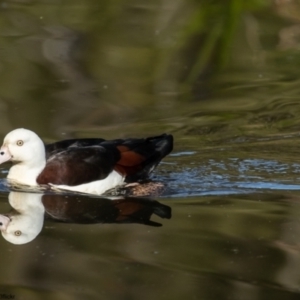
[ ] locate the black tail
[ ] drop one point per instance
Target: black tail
(154, 149)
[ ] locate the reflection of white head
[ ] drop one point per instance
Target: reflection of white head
(24, 226)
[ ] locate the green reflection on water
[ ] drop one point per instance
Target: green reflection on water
(72, 66)
(222, 76)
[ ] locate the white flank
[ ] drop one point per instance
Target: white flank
(95, 187)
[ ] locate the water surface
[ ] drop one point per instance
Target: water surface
(223, 78)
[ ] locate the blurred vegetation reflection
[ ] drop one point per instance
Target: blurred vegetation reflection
(99, 62)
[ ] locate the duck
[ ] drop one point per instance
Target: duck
(88, 165)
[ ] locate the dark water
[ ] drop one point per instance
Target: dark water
(223, 78)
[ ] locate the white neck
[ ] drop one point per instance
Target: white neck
(23, 173)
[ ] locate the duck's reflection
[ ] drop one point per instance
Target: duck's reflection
(25, 221)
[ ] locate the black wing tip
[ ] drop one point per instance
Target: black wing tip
(163, 143)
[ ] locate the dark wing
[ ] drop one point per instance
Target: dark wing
(78, 165)
(73, 162)
(139, 157)
(57, 147)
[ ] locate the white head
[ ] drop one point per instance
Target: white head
(27, 151)
(23, 226)
(22, 146)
